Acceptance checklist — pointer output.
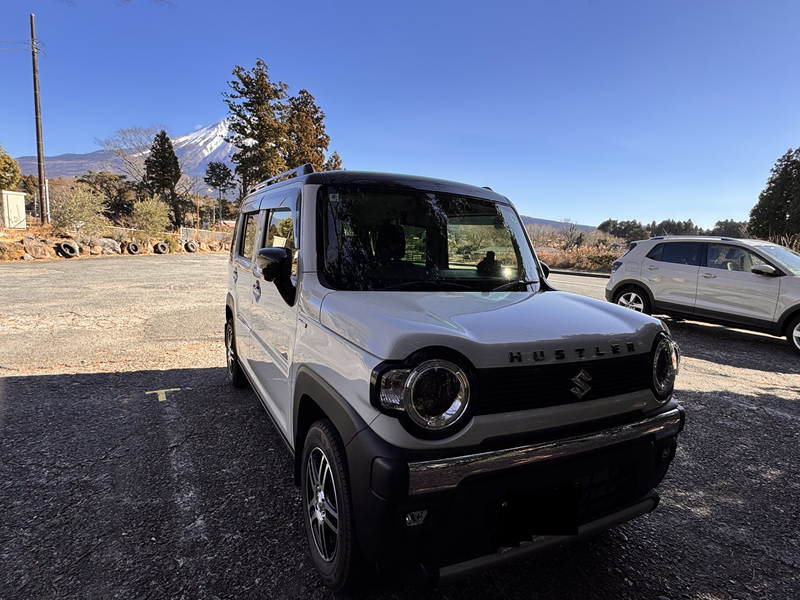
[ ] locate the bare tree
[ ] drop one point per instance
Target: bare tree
(130, 147)
(542, 236)
(569, 232)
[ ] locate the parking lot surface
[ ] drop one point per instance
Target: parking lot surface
(130, 469)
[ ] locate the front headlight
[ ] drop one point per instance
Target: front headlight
(666, 362)
(434, 394)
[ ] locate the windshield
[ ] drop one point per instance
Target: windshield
(379, 239)
(788, 258)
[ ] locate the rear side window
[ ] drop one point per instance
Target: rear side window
(655, 253)
(682, 253)
(248, 238)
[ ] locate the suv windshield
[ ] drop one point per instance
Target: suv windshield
(788, 258)
(387, 239)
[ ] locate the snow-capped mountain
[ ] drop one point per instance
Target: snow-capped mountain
(194, 150)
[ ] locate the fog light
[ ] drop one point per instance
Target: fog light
(416, 517)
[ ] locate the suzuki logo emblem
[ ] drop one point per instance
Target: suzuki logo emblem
(581, 386)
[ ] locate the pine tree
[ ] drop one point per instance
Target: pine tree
(307, 140)
(162, 173)
(258, 126)
(777, 212)
(334, 162)
(219, 177)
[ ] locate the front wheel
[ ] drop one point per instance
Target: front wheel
(327, 506)
(633, 298)
(793, 334)
(235, 374)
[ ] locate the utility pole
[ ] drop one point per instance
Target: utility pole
(39, 143)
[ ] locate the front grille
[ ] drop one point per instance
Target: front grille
(508, 389)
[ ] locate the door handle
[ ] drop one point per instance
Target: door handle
(709, 276)
(653, 268)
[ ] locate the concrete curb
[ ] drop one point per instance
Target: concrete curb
(582, 273)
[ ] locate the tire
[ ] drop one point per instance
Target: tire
(328, 508)
(633, 298)
(133, 248)
(793, 334)
(161, 248)
(68, 249)
(236, 376)
(190, 246)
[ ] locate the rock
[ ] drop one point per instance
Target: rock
(204, 247)
(109, 244)
(34, 248)
(27, 257)
(96, 250)
(108, 251)
(85, 250)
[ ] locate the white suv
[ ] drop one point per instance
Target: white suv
(440, 399)
(750, 284)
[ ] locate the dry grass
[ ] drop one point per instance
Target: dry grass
(585, 258)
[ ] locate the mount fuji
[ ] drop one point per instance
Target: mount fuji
(194, 150)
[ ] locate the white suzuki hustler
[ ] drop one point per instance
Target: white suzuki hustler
(448, 410)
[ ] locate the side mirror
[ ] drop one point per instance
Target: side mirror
(545, 269)
(275, 264)
(763, 270)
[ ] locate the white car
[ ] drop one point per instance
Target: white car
(440, 399)
(749, 284)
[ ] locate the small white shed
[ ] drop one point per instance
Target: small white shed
(12, 210)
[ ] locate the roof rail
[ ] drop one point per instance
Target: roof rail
(301, 170)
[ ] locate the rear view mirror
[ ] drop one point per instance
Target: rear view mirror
(763, 270)
(275, 264)
(545, 269)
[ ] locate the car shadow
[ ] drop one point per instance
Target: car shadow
(734, 347)
(168, 484)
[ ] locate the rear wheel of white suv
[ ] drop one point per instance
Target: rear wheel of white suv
(633, 298)
(793, 334)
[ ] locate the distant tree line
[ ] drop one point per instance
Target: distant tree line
(634, 230)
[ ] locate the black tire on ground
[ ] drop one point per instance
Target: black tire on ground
(190, 246)
(236, 376)
(68, 249)
(634, 298)
(133, 248)
(793, 334)
(161, 248)
(328, 508)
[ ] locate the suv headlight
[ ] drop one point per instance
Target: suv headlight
(666, 363)
(434, 395)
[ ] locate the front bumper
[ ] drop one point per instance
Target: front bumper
(442, 475)
(616, 467)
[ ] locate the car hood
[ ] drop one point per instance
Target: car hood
(492, 329)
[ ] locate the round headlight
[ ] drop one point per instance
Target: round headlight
(437, 394)
(666, 362)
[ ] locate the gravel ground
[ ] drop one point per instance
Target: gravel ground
(108, 491)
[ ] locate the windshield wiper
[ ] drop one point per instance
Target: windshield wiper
(424, 285)
(511, 284)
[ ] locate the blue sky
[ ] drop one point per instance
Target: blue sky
(579, 109)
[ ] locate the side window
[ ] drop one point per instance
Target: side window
(248, 236)
(234, 238)
(682, 253)
(730, 258)
(655, 253)
(280, 233)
